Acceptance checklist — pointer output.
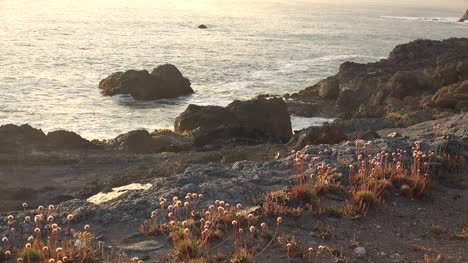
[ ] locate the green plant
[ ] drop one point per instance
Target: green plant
(30, 255)
(334, 212)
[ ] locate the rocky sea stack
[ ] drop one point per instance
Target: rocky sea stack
(164, 82)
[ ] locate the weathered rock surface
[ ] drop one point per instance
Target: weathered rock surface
(454, 97)
(164, 82)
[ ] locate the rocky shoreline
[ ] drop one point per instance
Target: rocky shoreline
(234, 153)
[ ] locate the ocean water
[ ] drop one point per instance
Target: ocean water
(53, 53)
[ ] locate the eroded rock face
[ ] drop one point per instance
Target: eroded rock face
(164, 82)
(410, 83)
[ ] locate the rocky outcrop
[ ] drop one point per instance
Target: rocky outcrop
(412, 72)
(164, 82)
(260, 117)
(464, 17)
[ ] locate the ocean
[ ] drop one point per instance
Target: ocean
(54, 53)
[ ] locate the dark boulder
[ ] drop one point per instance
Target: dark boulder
(67, 140)
(231, 135)
(164, 82)
(205, 118)
(325, 134)
(141, 141)
(137, 141)
(270, 116)
(14, 138)
(202, 26)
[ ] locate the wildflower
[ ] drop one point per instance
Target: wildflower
(170, 207)
(186, 231)
(153, 215)
(179, 203)
(19, 260)
(69, 217)
(135, 259)
(220, 209)
(7, 253)
(310, 250)
(186, 204)
(4, 239)
(45, 249)
(279, 220)
(241, 230)
(211, 207)
(170, 215)
(27, 219)
(12, 229)
(194, 196)
(252, 229)
(175, 199)
(40, 208)
(172, 222)
(234, 222)
(249, 216)
(51, 260)
(59, 250)
(64, 259)
(200, 196)
(51, 207)
(87, 227)
(28, 246)
(25, 205)
(239, 206)
(288, 245)
(37, 230)
(30, 239)
(10, 217)
(50, 218)
(263, 225)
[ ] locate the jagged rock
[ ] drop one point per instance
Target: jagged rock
(164, 82)
(231, 135)
(63, 140)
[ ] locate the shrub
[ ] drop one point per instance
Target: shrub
(30, 255)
